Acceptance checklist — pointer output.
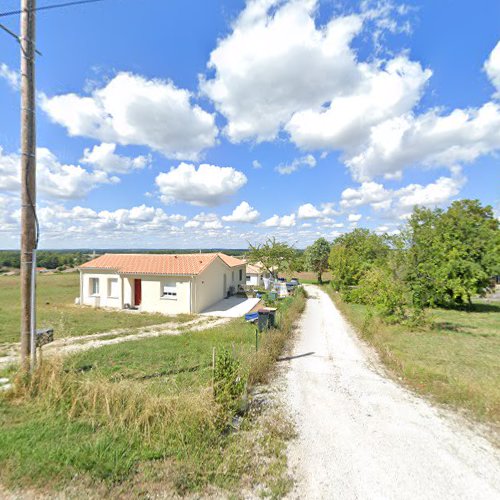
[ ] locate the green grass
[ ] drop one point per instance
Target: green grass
(130, 418)
(56, 296)
(455, 358)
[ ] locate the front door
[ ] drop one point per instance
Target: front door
(224, 286)
(137, 292)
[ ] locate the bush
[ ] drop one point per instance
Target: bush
(229, 383)
(389, 296)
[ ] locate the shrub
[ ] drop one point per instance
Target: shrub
(389, 296)
(229, 383)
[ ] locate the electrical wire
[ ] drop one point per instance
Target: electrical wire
(48, 7)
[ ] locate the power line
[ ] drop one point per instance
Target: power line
(48, 7)
(17, 37)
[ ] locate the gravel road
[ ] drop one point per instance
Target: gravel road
(361, 435)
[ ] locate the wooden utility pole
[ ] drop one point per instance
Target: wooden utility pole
(28, 182)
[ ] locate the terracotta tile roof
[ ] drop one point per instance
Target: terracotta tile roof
(254, 269)
(231, 261)
(168, 264)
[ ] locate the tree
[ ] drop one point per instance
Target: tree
(353, 254)
(273, 255)
(453, 253)
(317, 257)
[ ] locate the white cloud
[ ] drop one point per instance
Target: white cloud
(309, 211)
(130, 109)
(400, 202)
(279, 70)
(275, 62)
(106, 227)
(103, 157)
(10, 76)
(209, 185)
(429, 139)
(354, 217)
(256, 164)
(305, 161)
(277, 221)
(204, 221)
(242, 213)
(432, 194)
(54, 179)
(367, 193)
(385, 90)
(492, 68)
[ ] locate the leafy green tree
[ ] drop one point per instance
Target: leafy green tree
(353, 254)
(273, 255)
(317, 257)
(453, 253)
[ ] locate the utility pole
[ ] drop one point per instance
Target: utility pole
(28, 184)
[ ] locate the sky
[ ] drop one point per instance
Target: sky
(212, 124)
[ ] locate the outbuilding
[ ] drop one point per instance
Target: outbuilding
(163, 283)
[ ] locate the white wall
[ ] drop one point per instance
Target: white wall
(253, 280)
(152, 300)
(209, 285)
(102, 299)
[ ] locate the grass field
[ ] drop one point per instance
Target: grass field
(138, 418)
(308, 277)
(454, 359)
(56, 297)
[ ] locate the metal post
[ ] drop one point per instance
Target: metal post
(33, 314)
(28, 176)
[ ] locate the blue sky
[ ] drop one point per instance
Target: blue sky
(214, 123)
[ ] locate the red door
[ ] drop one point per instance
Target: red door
(137, 292)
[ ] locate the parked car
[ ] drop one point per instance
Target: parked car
(295, 281)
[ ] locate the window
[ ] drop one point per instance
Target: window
(113, 287)
(232, 275)
(94, 286)
(241, 274)
(169, 290)
(249, 278)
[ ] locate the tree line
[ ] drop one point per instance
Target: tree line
(45, 258)
(440, 258)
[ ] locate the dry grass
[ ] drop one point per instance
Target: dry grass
(119, 406)
(274, 341)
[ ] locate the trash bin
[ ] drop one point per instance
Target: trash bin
(272, 317)
(263, 321)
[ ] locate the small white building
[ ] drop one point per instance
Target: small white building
(255, 275)
(162, 283)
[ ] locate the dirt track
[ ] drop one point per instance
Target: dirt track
(361, 435)
(69, 345)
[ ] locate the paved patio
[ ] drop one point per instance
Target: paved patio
(233, 307)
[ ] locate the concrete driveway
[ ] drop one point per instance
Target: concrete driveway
(233, 307)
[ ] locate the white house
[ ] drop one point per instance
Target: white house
(168, 284)
(255, 275)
